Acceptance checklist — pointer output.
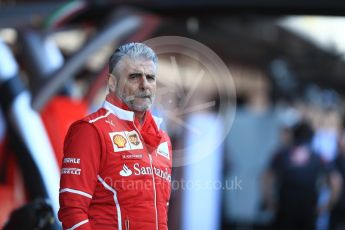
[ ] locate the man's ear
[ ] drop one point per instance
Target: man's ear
(112, 82)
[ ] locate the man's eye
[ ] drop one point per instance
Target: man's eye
(150, 77)
(134, 76)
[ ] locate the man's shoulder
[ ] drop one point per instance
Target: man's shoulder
(85, 124)
(96, 116)
(164, 134)
(90, 118)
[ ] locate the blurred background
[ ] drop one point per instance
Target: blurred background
(257, 145)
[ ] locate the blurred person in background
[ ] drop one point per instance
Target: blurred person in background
(116, 170)
(295, 173)
(327, 125)
(250, 144)
(337, 214)
(327, 134)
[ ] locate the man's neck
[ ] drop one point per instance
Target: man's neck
(140, 116)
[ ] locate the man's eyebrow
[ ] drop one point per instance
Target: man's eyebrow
(135, 73)
(140, 73)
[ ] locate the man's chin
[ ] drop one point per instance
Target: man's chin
(140, 107)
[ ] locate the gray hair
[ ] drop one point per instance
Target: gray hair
(133, 50)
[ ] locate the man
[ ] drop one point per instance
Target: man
(297, 171)
(337, 212)
(116, 171)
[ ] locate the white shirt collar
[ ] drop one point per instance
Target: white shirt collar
(125, 114)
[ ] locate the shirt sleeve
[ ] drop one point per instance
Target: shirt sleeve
(80, 165)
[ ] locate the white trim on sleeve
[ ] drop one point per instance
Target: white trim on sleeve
(78, 225)
(76, 192)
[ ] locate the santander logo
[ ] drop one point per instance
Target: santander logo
(139, 170)
(125, 171)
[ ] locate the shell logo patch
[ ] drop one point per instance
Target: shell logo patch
(125, 140)
(119, 141)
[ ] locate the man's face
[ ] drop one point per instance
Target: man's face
(136, 83)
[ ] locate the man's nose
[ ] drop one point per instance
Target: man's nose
(144, 84)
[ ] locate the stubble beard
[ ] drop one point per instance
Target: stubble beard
(130, 102)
